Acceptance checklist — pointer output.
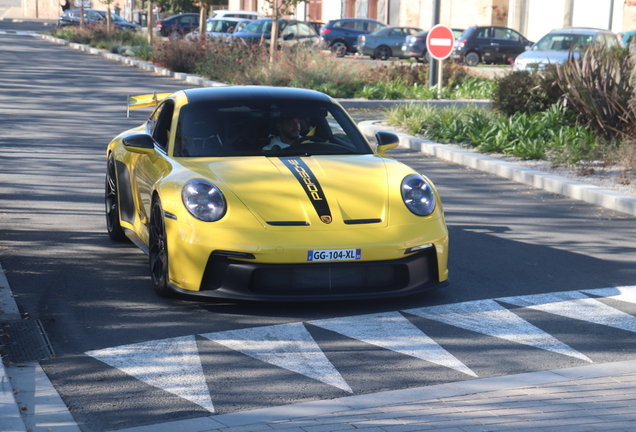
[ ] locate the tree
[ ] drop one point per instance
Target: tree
(204, 6)
(279, 9)
(108, 17)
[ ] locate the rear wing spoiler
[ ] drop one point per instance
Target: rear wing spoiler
(143, 101)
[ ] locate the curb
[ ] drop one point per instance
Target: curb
(552, 183)
(10, 417)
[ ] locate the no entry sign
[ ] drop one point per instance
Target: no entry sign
(440, 41)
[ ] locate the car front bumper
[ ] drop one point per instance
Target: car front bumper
(231, 264)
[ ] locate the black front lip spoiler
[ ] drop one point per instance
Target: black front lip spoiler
(423, 280)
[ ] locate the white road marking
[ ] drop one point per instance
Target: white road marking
(626, 293)
(289, 346)
(576, 305)
(393, 331)
(489, 317)
(169, 364)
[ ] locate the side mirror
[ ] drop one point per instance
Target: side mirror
(386, 141)
(289, 36)
(139, 143)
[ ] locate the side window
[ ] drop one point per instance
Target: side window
(93, 16)
(290, 32)
(484, 33)
(611, 40)
(349, 25)
(304, 30)
(160, 122)
(373, 26)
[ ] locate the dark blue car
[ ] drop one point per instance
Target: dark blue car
(341, 35)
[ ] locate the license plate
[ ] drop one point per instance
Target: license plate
(334, 255)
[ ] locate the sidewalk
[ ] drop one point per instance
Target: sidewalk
(590, 398)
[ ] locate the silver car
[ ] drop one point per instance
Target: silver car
(554, 47)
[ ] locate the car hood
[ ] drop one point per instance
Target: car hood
(545, 57)
(302, 189)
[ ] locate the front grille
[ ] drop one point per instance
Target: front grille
(329, 279)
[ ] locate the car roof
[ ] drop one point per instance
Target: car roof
(580, 30)
(250, 93)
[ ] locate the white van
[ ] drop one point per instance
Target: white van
(223, 13)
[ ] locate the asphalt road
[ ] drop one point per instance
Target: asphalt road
(125, 357)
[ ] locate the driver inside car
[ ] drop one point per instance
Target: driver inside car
(288, 131)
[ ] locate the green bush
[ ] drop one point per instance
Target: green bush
(522, 92)
(549, 134)
(598, 86)
(178, 55)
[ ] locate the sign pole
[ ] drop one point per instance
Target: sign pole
(439, 80)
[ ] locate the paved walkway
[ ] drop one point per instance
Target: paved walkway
(589, 398)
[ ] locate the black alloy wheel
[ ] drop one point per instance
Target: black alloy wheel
(158, 250)
(471, 59)
(382, 52)
(113, 225)
(339, 48)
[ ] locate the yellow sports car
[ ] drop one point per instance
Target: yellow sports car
(269, 193)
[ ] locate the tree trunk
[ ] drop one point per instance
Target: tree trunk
(203, 16)
(108, 20)
(273, 40)
(151, 23)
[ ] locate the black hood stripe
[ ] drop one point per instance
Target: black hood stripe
(310, 184)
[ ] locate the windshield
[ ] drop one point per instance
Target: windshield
(563, 42)
(256, 128)
(259, 26)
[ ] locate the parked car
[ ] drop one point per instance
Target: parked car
(220, 28)
(317, 25)
(627, 36)
(555, 47)
(291, 32)
(385, 43)
(181, 24)
(489, 44)
(71, 17)
(341, 35)
(223, 214)
(415, 46)
(224, 13)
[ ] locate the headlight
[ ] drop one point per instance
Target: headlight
(203, 200)
(418, 195)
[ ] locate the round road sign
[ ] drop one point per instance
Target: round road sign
(440, 42)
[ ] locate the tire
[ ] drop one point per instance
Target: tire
(382, 52)
(158, 250)
(111, 201)
(471, 59)
(339, 48)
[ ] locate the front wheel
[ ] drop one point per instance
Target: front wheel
(339, 48)
(158, 250)
(471, 59)
(382, 52)
(113, 225)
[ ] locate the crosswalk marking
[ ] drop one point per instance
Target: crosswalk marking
(626, 294)
(289, 346)
(576, 305)
(169, 364)
(174, 365)
(393, 331)
(490, 318)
